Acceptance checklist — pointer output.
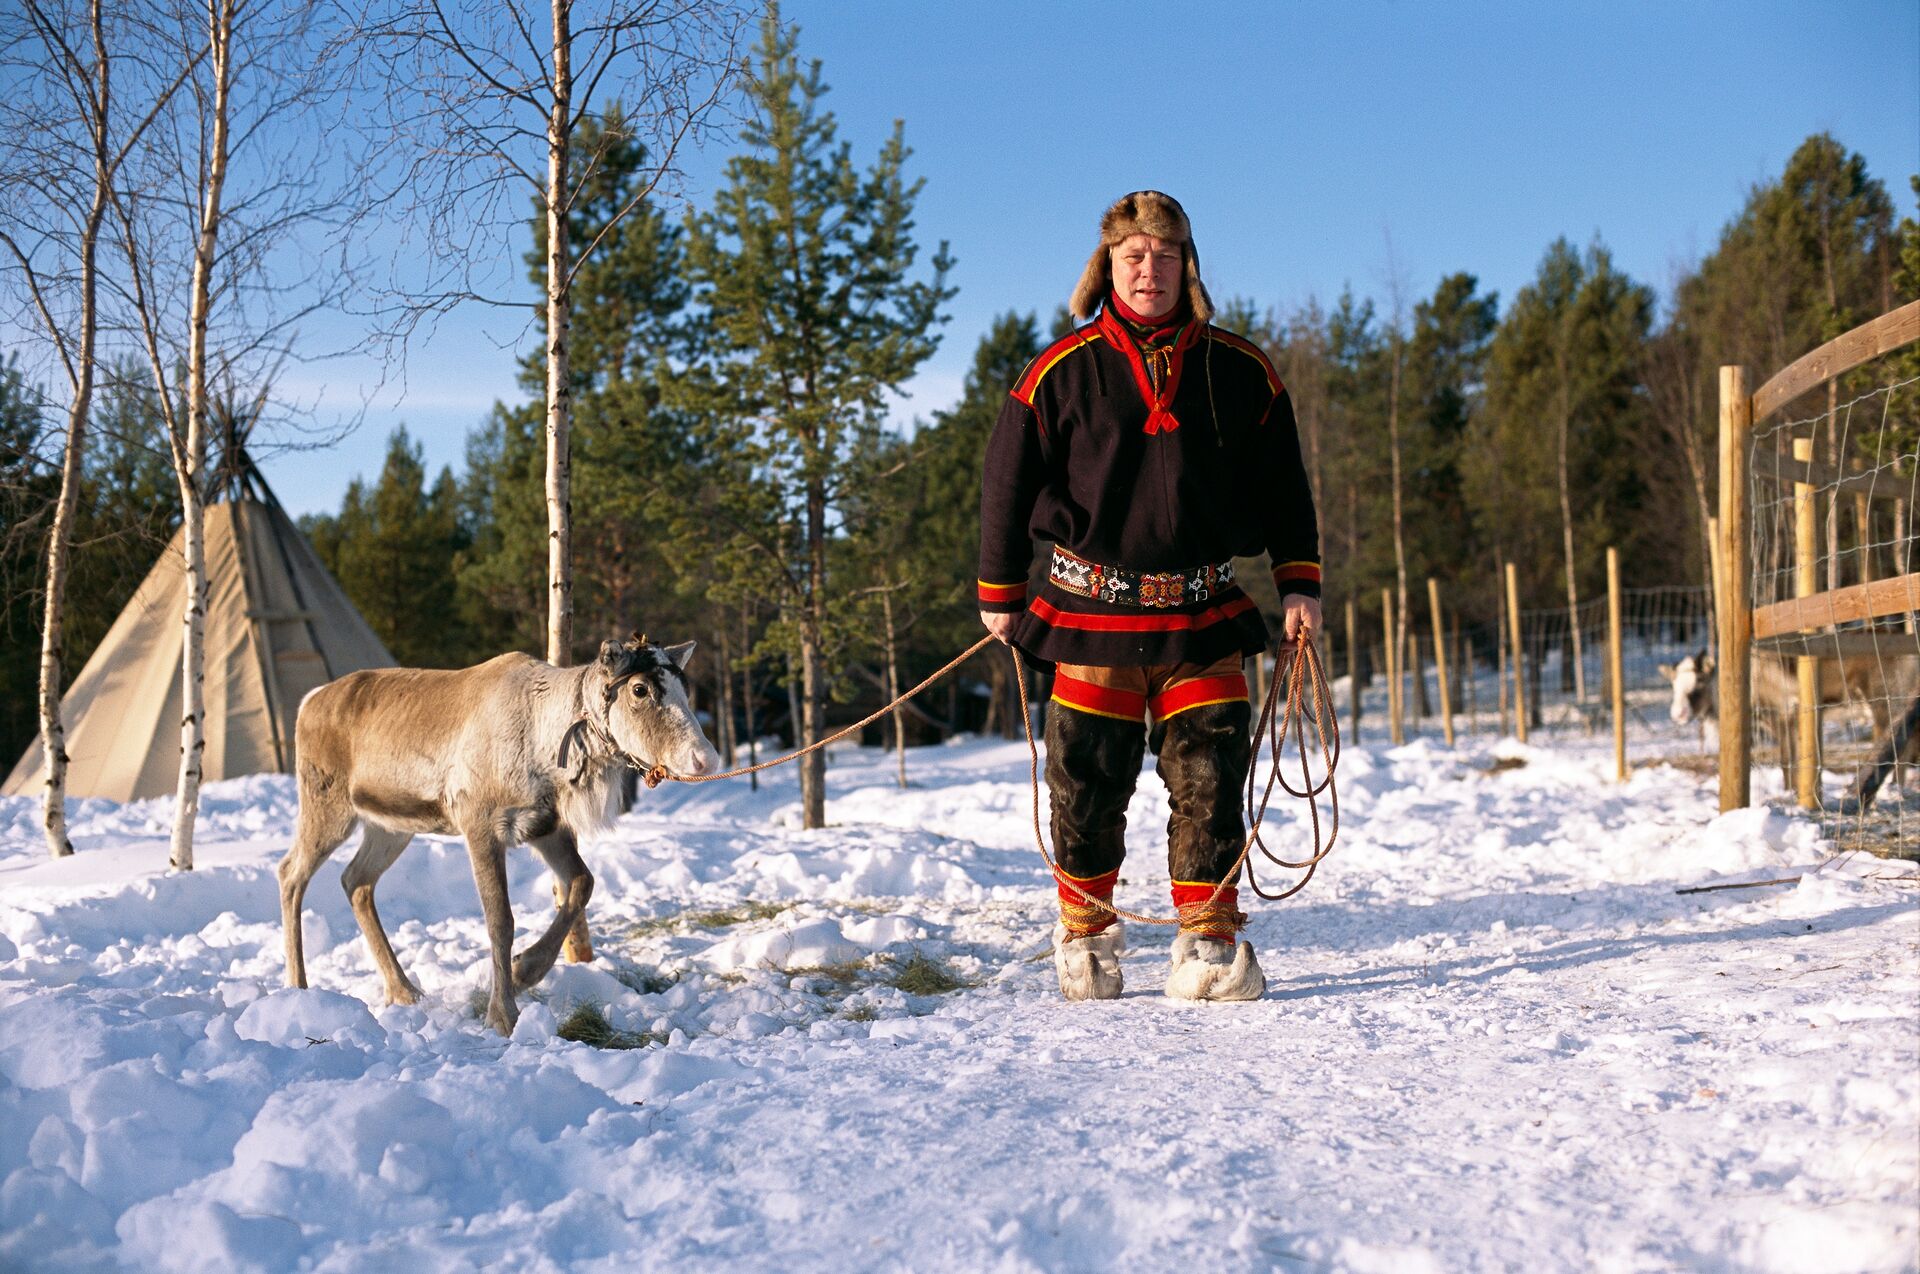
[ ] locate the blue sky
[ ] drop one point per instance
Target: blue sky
(1315, 147)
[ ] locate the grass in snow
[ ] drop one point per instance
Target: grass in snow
(588, 1025)
(921, 976)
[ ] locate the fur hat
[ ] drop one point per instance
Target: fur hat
(1145, 212)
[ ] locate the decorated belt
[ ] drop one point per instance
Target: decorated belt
(1158, 589)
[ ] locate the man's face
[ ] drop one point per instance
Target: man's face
(1146, 274)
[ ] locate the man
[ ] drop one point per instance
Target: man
(1148, 448)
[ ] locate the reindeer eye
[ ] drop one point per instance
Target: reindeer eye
(641, 690)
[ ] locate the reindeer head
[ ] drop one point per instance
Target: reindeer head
(1693, 686)
(644, 688)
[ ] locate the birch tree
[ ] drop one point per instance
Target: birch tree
(498, 94)
(67, 142)
(227, 224)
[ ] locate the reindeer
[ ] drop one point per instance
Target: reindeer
(509, 751)
(1776, 692)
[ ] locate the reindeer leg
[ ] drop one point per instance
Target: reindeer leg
(487, 848)
(378, 848)
(324, 821)
(573, 885)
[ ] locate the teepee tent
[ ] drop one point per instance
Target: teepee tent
(277, 626)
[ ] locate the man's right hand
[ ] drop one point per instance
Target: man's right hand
(1000, 625)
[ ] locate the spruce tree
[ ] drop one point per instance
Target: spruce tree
(814, 316)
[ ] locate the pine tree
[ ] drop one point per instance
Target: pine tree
(1558, 444)
(392, 549)
(953, 449)
(805, 268)
(28, 484)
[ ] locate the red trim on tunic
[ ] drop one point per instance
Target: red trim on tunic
(1039, 367)
(1198, 693)
(1048, 613)
(1246, 346)
(1106, 701)
(1002, 592)
(1296, 570)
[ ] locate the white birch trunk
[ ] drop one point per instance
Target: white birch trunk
(559, 344)
(220, 19)
(53, 730)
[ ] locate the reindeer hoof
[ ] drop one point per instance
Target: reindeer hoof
(502, 1017)
(405, 993)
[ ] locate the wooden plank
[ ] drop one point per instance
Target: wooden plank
(1780, 469)
(1617, 692)
(1881, 643)
(1519, 658)
(1440, 657)
(1353, 671)
(1736, 615)
(1882, 597)
(1842, 354)
(1806, 582)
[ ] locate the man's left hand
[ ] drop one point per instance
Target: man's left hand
(1302, 617)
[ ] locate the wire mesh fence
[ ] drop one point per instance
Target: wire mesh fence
(1836, 673)
(1660, 627)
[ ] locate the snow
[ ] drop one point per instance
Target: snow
(1495, 1038)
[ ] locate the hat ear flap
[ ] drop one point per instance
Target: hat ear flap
(1095, 282)
(1197, 298)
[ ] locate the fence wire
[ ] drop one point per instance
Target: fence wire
(1830, 530)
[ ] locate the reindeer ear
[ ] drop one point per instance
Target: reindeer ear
(611, 653)
(681, 654)
(1707, 665)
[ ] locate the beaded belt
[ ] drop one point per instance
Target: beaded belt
(1158, 589)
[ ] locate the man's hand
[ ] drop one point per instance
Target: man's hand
(1303, 617)
(1001, 626)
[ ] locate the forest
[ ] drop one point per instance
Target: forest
(736, 478)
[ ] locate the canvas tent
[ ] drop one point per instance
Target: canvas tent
(277, 626)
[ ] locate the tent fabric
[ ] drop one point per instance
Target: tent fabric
(277, 627)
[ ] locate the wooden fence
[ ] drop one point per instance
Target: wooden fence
(1812, 622)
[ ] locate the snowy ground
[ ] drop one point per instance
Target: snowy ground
(1496, 1039)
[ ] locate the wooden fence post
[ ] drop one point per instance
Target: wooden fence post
(1736, 611)
(1614, 665)
(1806, 582)
(1440, 657)
(1716, 585)
(1519, 655)
(1353, 668)
(1396, 724)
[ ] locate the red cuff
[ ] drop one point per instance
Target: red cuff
(1003, 597)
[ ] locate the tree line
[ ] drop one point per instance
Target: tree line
(1443, 437)
(730, 474)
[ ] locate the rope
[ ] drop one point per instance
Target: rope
(659, 773)
(1304, 664)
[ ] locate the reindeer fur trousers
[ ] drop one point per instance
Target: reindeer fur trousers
(1093, 761)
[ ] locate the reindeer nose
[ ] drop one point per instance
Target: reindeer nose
(699, 763)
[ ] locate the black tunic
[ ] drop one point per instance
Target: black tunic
(1081, 457)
